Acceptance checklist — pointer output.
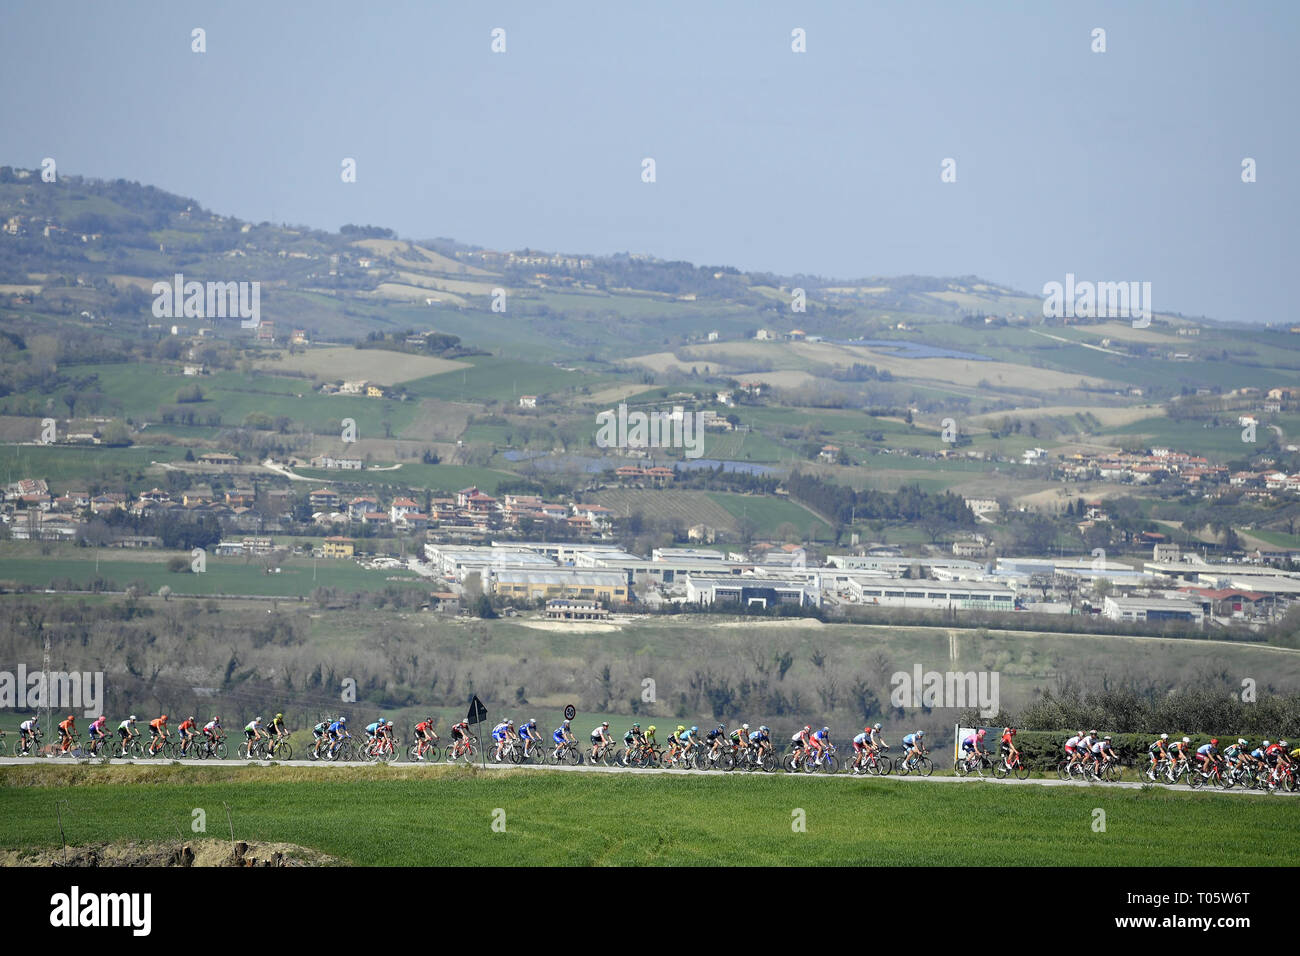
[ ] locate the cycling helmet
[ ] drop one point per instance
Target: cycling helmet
(1013, 731)
(920, 733)
(428, 720)
(532, 721)
(651, 729)
(1266, 743)
(636, 726)
(164, 717)
(1092, 733)
(722, 726)
(279, 716)
(1107, 737)
(1241, 742)
(1164, 736)
(1213, 740)
(744, 726)
(1187, 740)
(1006, 730)
(1282, 743)
(866, 730)
(510, 721)
(680, 728)
(71, 717)
(257, 720)
(826, 730)
(102, 717)
(981, 733)
(605, 724)
(694, 729)
(390, 723)
(566, 723)
(763, 728)
(343, 720)
(191, 717)
(807, 729)
(875, 726)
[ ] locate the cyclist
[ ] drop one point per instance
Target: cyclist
(387, 739)
(157, 734)
(649, 740)
(633, 738)
(874, 739)
(28, 731)
(67, 727)
(529, 734)
(126, 730)
(338, 731)
(1207, 755)
(188, 730)
(1234, 754)
(687, 739)
(1178, 752)
(913, 746)
(373, 729)
(424, 737)
(1157, 752)
(210, 731)
(460, 737)
(97, 735)
(861, 745)
(740, 738)
(318, 735)
(562, 737)
(1099, 751)
(761, 740)
(599, 739)
(1007, 747)
(502, 735)
(801, 741)
(674, 741)
(820, 742)
(715, 739)
(276, 732)
(1275, 756)
(970, 747)
(254, 732)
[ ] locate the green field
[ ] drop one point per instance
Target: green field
(423, 816)
(298, 576)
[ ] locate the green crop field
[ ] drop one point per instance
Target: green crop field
(375, 816)
(297, 577)
(417, 476)
(496, 379)
(64, 466)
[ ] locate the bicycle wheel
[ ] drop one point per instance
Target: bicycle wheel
(1114, 773)
(788, 763)
(726, 762)
(960, 767)
(1063, 770)
(925, 766)
(831, 764)
(1022, 770)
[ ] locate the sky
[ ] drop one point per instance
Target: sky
(1123, 165)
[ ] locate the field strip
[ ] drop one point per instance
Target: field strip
(636, 771)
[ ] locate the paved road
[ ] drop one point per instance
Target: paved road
(587, 768)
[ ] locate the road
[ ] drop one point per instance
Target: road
(586, 768)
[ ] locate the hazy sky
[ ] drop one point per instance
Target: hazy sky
(1123, 165)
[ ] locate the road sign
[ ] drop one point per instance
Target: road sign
(477, 712)
(569, 712)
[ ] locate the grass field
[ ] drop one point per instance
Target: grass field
(375, 816)
(297, 576)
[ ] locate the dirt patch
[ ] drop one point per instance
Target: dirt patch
(575, 627)
(189, 853)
